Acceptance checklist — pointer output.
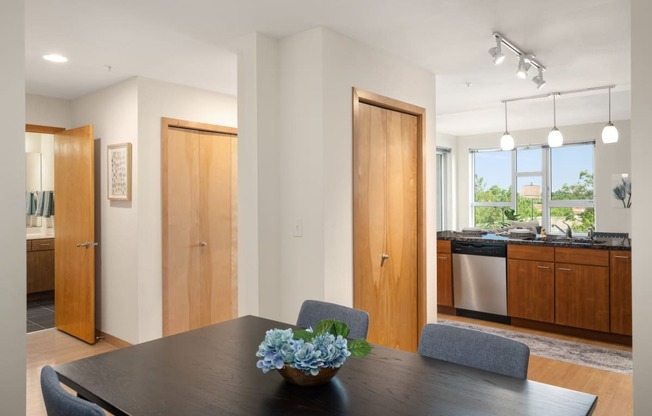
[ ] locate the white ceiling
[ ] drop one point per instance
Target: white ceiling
(583, 43)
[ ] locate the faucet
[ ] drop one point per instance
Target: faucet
(568, 231)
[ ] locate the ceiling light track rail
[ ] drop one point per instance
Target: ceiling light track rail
(559, 93)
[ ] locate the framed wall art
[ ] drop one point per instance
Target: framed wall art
(118, 166)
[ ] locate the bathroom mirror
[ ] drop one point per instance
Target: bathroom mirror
(33, 188)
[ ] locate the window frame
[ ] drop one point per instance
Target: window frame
(547, 203)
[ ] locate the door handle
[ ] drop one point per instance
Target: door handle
(203, 244)
(383, 258)
(565, 269)
(87, 244)
(544, 267)
(621, 257)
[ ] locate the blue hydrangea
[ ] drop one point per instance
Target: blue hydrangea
(280, 348)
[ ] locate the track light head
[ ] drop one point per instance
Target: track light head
(523, 67)
(538, 79)
(496, 52)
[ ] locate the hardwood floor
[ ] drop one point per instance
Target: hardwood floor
(52, 347)
(614, 390)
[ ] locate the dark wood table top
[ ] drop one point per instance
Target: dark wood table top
(212, 371)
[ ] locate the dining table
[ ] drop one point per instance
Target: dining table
(212, 371)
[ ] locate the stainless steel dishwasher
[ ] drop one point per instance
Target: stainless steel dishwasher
(480, 276)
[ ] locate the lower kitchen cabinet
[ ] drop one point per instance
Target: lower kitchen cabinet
(582, 296)
(40, 265)
(531, 290)
(620, 269)
(444, 273)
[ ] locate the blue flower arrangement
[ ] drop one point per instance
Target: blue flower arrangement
(309, 350)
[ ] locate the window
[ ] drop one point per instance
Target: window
(553, 186)
(442, 189)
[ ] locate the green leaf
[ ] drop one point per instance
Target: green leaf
(359, 347)
(323, 326)
(303, 334)
(339, 328)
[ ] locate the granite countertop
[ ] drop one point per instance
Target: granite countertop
(579, 242)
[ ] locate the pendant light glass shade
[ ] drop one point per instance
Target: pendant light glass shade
(506, 141)
(555, 138)
(609, 132)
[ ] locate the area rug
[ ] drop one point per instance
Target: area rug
(558, 349)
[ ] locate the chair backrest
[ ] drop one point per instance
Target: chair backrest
(475, 349)
(313, 311)
(59, 402)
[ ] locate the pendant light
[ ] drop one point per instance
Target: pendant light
(609, 132)
(555, 138)
(507, 141)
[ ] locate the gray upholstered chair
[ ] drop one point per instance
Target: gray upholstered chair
(475, 349)
(59, 402)
(313, 311)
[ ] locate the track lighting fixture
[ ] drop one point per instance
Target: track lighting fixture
(496, 52)
(506, 141)
(538, 80)
(609, 132)
(555, 138)
(525, 60)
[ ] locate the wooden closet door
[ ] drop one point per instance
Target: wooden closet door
(181, 251)
(199, 182)
(217, 228)
(369, 220)
(384, 223)
(401, 229)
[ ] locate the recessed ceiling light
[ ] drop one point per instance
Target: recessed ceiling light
(55, 58)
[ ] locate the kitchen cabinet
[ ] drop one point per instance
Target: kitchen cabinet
(582, 288)
(620, 289)
(40, 265)
(444, 273)
(531, 282)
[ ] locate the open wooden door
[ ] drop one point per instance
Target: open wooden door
(74, 247)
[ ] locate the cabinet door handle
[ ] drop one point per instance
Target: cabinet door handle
(565, 269)
(443, 257)
(383, 258)
(621, 257)
(203, 244)
(543, 267)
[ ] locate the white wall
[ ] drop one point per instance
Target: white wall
(317, 70)
(113, 112)
(642, 246)
(301, 176)
(608, 159)
(12, 209)
(157, 99)
(48, 111)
